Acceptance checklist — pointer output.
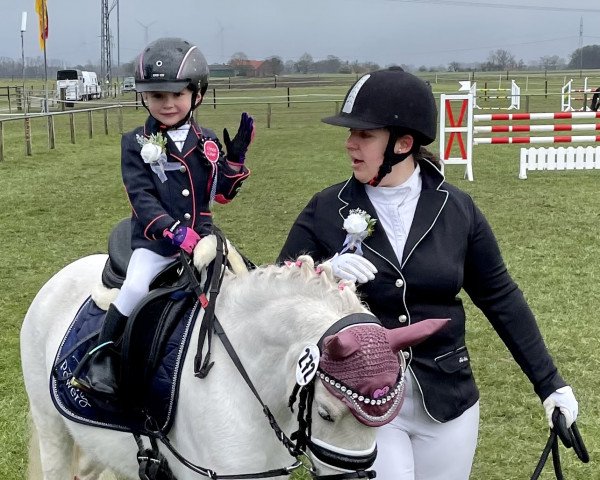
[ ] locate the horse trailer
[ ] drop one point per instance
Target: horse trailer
(78, 85)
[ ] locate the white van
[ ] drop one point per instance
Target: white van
(78, 85)
(128, 84)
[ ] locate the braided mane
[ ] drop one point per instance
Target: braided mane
(296, 282)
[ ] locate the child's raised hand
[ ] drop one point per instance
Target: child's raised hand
(237, 148)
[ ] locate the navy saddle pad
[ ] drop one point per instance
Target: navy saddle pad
(160, 391)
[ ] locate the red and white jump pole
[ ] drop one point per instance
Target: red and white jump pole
(460, 130)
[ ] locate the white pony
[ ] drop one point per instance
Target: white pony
(269, 314)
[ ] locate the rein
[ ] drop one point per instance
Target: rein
(153, 460)
(570, 437)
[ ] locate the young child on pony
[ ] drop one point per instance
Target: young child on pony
(173, 170)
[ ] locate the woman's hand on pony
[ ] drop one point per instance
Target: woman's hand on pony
(352, 267)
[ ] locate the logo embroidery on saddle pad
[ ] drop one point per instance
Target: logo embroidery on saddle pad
(162, 391)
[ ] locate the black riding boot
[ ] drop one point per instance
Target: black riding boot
(97, 373)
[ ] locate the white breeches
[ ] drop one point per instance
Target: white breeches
(143, 266)
(415, 447)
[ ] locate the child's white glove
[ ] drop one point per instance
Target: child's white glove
(353, 267)
(564, 399)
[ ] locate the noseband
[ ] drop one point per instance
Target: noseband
(342, 460)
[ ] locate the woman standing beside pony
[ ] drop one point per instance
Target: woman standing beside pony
(413, 242)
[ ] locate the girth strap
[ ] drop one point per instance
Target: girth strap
(152, 464)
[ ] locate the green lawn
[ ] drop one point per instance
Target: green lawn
(58, 205)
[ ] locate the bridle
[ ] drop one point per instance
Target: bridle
(570, 437)
(354, 466)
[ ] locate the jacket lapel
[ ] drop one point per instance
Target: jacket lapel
(191, 141)
(352, 196)
(431, 202)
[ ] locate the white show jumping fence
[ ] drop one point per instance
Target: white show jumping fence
(561, 158)
(456, 129)
(566, 98)
(515, 95)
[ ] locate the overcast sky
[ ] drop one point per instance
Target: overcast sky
(410, 32)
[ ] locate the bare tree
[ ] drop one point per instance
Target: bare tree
(304, 64)
(272, 66)
(551, 62)
(501, 60)
(238, 59)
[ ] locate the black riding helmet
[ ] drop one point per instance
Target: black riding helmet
(171, 65)
(392, 99)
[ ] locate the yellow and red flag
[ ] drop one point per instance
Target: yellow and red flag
(42, 11)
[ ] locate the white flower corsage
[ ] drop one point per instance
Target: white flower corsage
(359, 226)
(154, 153)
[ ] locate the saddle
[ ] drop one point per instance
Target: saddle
(151, 323)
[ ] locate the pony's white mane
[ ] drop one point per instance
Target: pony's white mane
(296, 281)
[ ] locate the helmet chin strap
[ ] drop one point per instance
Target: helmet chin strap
(390, 158)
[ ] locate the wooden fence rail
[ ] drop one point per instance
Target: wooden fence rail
(51, 131)
(269, 102)
(50, 125)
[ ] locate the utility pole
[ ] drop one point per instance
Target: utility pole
(23, 29)
(105, 41)
(118, 40)
(581, 47)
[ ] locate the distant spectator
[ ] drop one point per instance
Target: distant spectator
(596, 100)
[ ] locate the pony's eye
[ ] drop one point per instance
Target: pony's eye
(324, 414)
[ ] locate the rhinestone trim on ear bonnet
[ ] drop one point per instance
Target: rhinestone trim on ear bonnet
(363, 366)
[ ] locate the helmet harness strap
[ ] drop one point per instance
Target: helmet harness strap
(390, 157)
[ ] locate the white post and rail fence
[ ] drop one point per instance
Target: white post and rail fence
(459, 133)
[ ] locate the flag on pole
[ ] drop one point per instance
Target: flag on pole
(42, 11)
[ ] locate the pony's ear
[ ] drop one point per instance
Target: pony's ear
(403, 337)
(341, 345)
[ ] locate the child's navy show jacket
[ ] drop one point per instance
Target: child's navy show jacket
(184, 196)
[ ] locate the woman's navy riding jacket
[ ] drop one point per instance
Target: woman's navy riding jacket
(184, 197)
(450, 247)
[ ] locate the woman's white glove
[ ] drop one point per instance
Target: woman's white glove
(564, 399)
(353, 267)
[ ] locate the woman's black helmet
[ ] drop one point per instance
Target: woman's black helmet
(395, 100)
(170, 65)
(390, 98)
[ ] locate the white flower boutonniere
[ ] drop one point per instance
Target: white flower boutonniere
(154, 153)
(359, 226)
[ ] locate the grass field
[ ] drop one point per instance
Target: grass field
(59, 205)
